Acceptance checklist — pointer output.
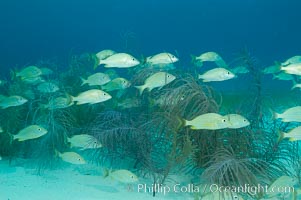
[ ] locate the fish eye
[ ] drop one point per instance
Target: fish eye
(39, 129)
(132, 176)
(104, 94)
(123, 81)
(245, 120)
(173, 56)
(228, 73)
(133, 59)
(224, 120)
(168, 76)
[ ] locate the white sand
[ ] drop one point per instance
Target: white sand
(19, 183)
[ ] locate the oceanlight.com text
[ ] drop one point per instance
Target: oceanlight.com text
(252, 190)
(213, 188)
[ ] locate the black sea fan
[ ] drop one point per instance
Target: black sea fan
(226, 169)
(120, 136)
(58, 124)
(187, 98)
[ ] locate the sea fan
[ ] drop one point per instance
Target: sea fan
(121, 138)
(43, 150)
(226, 169)
(187, 98)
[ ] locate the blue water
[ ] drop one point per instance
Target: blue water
(33, 29)
(145, 139)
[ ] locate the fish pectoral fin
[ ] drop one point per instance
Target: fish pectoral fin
(291, 139)
(80, 102)
(20, 139)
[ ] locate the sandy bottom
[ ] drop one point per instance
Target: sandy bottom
(69, 183)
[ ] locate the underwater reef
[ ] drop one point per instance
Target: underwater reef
(155, 119)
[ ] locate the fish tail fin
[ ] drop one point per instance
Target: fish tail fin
(13, 74)
(278, 65)
(294, 81)
(106, 172)
(68, 142)
(12, 137)
(186, 122)
(274, 115)
(4, 106)
(84, 81)
(141, 88)
(181, 122)
(193, 59)
(96, 65)
(56, 153)
(274, 77)
(294, 84)
(70, 98)
(4, 82)
(143, 60)
(281, 135)
(95, 60)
